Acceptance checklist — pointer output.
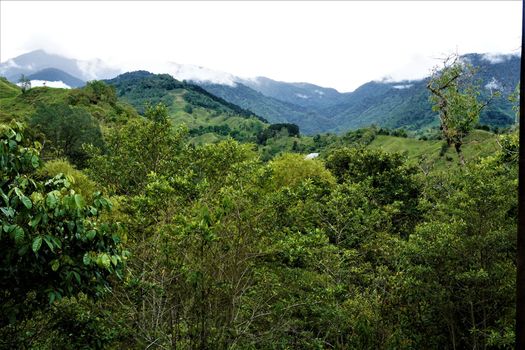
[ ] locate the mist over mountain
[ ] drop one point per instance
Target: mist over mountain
(53, 74)
(315, 109)
(35, 61)
(392, 104)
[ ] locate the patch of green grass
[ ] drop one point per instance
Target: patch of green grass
(7, 89)
(477, 144)
(23, 105)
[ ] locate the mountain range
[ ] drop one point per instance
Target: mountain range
(315, 109)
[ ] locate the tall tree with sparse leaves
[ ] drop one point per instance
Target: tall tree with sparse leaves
(454, 95)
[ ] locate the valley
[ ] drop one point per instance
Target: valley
(144, 211)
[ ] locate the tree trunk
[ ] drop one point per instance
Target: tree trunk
(457, 146)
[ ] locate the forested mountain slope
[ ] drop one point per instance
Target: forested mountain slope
(389, 104)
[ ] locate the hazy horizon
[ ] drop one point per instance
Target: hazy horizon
(332, 44)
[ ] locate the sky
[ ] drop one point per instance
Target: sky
(339, 44)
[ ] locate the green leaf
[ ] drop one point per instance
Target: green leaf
(79, 201)
(51, 296)
(103, 261)
(4, 197)
(55, 264)
(57, 242)
(9, 212)
(35, 161)
(77, 276)
(49, 243)
(35, 220)
(37, 243)
(51, 200)
(91, 234)
(19, 233)
(86, 259)
(26, 201)
(23, 250)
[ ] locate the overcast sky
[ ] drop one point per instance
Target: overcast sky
(333, 44)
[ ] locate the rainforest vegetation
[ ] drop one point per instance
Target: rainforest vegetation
(194, 224)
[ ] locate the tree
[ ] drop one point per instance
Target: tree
(388, 176)
(455, 96)
(67, 129)
(456, 288)
(135, 149)
(24, 83)
(52, 241)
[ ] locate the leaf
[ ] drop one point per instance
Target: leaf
(55, 264)
(86, 259)
(77, 276)
(79, 201)
(35, 220)
(103, 261)
(91, 234)
(4, 197)
(8, 211)
(51, 200)
(19, 233)
(27, 202)
(47, 239)
(37, 243)
(51, 296)
(35, 161)
(23, 250)
(57, 242)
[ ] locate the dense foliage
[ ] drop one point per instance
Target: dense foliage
(53, 243)
(243, 246)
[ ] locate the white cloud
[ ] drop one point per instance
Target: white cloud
(195, 73)
(401, 87)
(497, 57)
(52, 84)
(302, 96)
(343, 44)
(494, 84)
(97, 69)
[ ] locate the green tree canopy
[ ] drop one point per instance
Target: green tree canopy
(66, 129)
(52, 241)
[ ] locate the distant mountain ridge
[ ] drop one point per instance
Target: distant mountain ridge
(397, 104)
(316, 109)
(53, 74)
(38, 60)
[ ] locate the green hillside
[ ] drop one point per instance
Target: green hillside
(208, 117)
(22, 105)
(97, 100)
(8, 89)
(428, 152)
